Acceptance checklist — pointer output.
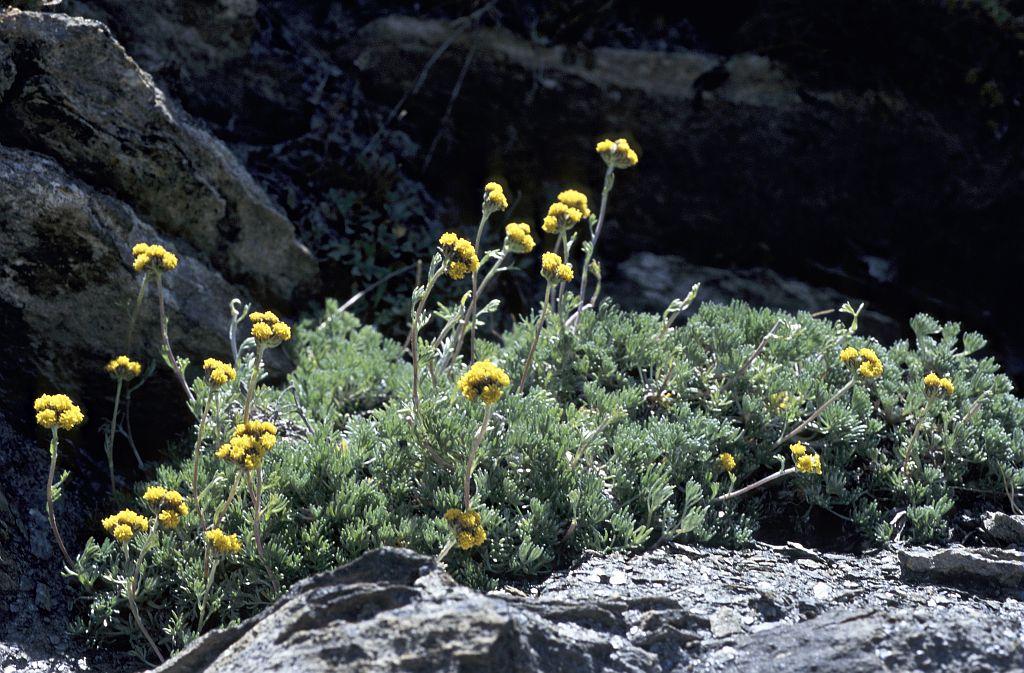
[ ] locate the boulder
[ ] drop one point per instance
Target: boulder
(80, 99)
(677, 608)
(1005, 528)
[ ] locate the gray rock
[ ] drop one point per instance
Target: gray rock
(699, 610)
(83, 101)
(1006, 528)
(962, 564)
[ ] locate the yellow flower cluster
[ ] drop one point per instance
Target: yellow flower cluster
(168, 504)
(518, 238)
(484, 380)
(561, 218)
(124, 368)
(125, 524)
(618, 153)
(798, 450)
(575, 199)
(494, 198)
(248, 444)
(554, 270)
(726, 462)
(222, 542)
(469, 532)
(933, 384)
(865, 360)
(780, 401)
(809, 463)
(57, 411)
(268, 329)
(459, 254)
(153, 258)
(220, 372)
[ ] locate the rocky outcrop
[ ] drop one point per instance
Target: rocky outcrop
(79, 98)
(94, 158)
(679, 608)
(961, 564)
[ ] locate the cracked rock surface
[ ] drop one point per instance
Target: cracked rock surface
(677, 608)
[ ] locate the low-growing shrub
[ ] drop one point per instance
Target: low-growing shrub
(585, 427)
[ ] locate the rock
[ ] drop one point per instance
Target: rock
(80, 99)
(987, 565)
(1005, 528)
(394, 610)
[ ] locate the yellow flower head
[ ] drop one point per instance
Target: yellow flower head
(780, 401)
(494, 198)
(561, 218)
(153, 258)
(125, 524)
(934, 385)
(468, 529)
(222, 542)
(248, 444)
(726, 462)
(123, 368)
(575, 199)
(797, 450)
(167, 503)
(865, 360)
(484, 380)
(459, 255)
(219, 372)
(554, 270)
(618, 153)
(518, 238)
(809, 463)
(57, 411)
(268, 330)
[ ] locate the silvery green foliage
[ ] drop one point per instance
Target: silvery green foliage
(613, 447)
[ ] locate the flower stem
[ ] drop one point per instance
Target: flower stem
(256, 493)
(469, 319)
(817, 412)
(536, 339)
(175, 367)
(760, 482)
(253, 380)
(133, 320)
(49, 500)
(130, 585)
(609, 182)
(471, 458)
(913, 437)
(108, 440)
(415, 342)
(195, 459)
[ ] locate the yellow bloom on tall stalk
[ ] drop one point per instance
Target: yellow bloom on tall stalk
(53, 411)
(518, 238)
(575, 199)
(936, 385)
(494, 198)
(222, 542)
(468, 529)
(727, 462)
(123, 368)
(268, 330)
(218, 372)
(618, 153)
(561, 218)
(124, 525)
(153, 258)
(459, 255)
(554, 270)
(168, 504)
(249, 444)
(484, 380)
